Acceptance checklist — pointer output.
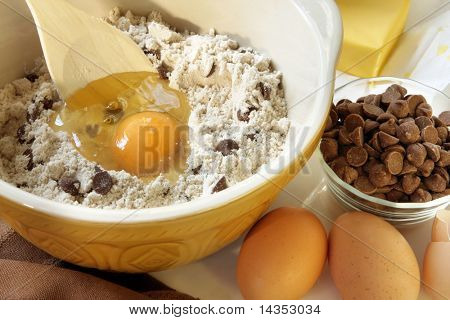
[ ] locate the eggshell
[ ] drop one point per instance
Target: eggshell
(441, 227)
(436, 276)
(370, 259)
(282, 255)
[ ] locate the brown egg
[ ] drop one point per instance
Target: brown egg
(370, 259)
(282, 255)
(436, 277)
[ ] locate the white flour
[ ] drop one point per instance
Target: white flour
(219, 79)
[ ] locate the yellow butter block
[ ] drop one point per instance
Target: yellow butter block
(371, 30)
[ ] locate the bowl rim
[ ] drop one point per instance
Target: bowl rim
(330, 173)
(330, 50)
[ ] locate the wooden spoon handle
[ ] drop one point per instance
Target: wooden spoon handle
(79, 48)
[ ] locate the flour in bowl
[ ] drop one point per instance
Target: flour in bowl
(238, 123)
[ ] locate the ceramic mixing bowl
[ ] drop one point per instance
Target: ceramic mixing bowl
(302, 36)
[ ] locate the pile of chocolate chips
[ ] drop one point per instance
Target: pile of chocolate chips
(390, 146)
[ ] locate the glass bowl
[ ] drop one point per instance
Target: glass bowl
(400, 214)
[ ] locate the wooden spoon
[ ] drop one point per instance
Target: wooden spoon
(80, 48)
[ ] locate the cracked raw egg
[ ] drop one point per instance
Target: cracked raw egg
(130, 121)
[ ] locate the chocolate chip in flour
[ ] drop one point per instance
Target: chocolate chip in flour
(220, 185)
(227, 146)
(102, 182)
(70, 185)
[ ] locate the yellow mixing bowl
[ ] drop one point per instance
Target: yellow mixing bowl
(302, 36)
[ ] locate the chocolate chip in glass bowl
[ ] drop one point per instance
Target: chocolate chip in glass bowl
(357, 156)
(370, 125)
(220, 185)
(423, 122)
(426, 168)
(408, 168)
(329, 149)
(328, 123)
(360, 99)
(373, 99)
(380, 196)
(441, 194)
(357, 136)
(393, 181)
(416, 154)
(338, 163)
(371, 151)
(344, 137)
(364, 185)
(342, 110)
(442, 133)
(389, 127)
(435, 183)
(420, 196)
(433, 151)
(424, 109)
(379, 176)
(371, 111)
(387, 140)
(343, 101)
(413, 102)
(333, 134)
(332, 120)
(410, 183)
(444, 117)
(399, 109)
(385, 117)
(343, 149)
(227, 146)
(375, 142)
(70, 185)
(443, 173)
(396, 147)
(408, 133)
(385, 189)
(347, 174)
(437, 122)
(102, 182)
(394, 162)
(396, 196)
(355, 108)
(444, 158)
(353, 121)
(393, 93)
(407, 119)
(429, 134)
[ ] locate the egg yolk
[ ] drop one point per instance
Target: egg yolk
(147, 143)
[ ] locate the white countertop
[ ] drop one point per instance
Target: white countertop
(214, 277)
